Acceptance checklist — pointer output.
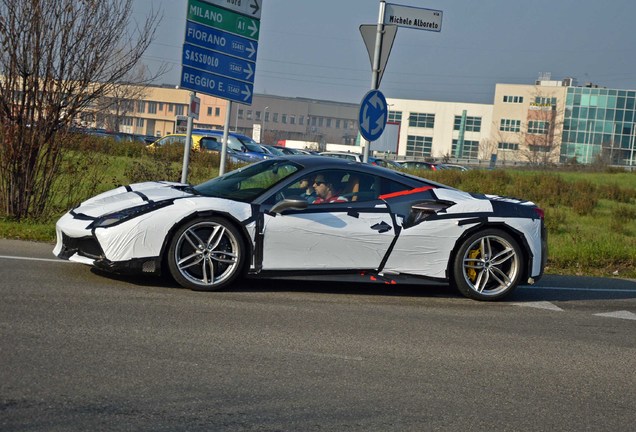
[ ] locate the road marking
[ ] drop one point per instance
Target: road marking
(618, 314)
(34, 259)
(578, 289)
(540, 305)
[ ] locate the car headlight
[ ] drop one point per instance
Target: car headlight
(124, 215)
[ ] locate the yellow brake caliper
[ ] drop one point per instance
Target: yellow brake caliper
(471, 272)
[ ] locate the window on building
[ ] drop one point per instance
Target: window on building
(266, 116)
(160, 106)
(152, 107)
(321, 121)
(470, 149)
(141, 106)
(545, 101)
(284, 118)
(422, 120)
(275, 118)
(395, 116)
(301, 120)
(170, 107)
(140, 122)
(510, 125)
(418, 146)
(507, 146)
(127, 121)
(337, 123)
(179, 109)
(538, 127)
(217, 111)
(328, 122)
(513, 99)
(473, 124)
(257, 115)
(209, 111)
(292, 119)
(249, 114)
(240, 113)
(313, 121)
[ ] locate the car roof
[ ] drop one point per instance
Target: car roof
(312, 162)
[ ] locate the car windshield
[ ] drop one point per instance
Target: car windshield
(276, 151)
(247, 183)
(253, 147)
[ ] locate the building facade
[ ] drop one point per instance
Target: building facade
(436, 130)
(545, 122)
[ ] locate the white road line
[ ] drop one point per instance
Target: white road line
(577, 289)
(540, 305)
(34, 259)
(618, 314)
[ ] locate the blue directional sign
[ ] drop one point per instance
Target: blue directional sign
(373, 115)
(228, 43)
(219, 50)
(217, 85)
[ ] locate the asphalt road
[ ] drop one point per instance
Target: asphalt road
(83, 351)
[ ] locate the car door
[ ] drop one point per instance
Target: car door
(331, 236)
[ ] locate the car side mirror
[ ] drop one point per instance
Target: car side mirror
(289, 204)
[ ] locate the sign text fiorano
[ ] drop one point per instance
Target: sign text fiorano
(412, 22)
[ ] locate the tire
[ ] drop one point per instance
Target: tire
(206, 254)
(488, 265)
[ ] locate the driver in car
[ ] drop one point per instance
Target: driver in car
(325, 190)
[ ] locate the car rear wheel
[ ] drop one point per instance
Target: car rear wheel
(206, 254)
(488, 265)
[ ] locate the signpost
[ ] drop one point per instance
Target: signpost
(219, 53)
(400, 16)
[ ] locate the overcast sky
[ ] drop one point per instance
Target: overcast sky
(313, 48)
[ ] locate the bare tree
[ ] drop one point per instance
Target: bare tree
(58, 57)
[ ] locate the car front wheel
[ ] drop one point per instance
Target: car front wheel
(206, 254)
(488, 265)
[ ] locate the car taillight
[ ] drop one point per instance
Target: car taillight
(539, 212)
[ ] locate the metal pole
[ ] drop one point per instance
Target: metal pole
(376, 66)
(228, 116)
(263, 125)
(187, 146)
(631, 157)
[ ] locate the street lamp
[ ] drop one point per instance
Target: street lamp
(263, 124)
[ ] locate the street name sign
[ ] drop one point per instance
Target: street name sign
(412, 17)
(373, 115)
(220, 47)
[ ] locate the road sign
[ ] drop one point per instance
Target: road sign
(412, 17)
(217, 63)
(220, 46)
(251, 8)
(373, 115)
(217, 85)
(223, 19)
(227, 43)
(368, 32)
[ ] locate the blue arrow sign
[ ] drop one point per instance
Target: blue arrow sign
(214, 62)
(216, 85)
(227, 43)
(373, 115)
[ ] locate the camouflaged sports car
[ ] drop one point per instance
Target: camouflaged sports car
(264, 220)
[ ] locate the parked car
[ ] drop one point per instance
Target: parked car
(238, 142)
(445, 166)
(388, 227)
(353, 157)
(420, 165)
(388, 163)
(250, 149)
(204, 143)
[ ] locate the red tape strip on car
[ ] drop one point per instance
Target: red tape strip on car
(406, 192)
